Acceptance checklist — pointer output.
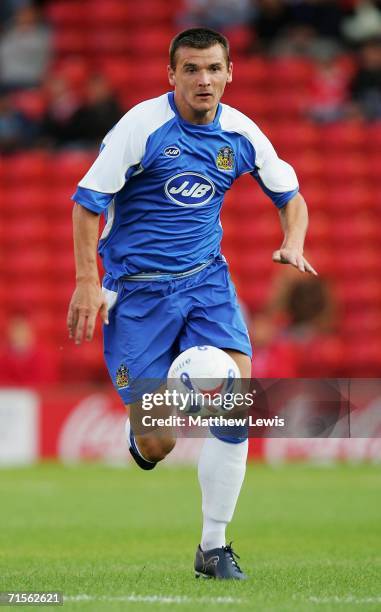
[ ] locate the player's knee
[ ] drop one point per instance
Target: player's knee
(155, 448)
(243, 362)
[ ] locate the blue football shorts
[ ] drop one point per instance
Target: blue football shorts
(153, 319)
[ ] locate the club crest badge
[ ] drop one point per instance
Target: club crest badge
(122, 377)
(225, 159)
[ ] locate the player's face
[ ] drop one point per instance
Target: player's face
(199, 79)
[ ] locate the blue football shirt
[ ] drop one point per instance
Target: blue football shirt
(160, 181)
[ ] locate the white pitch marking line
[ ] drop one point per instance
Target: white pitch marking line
(176, 599)
(345, 599)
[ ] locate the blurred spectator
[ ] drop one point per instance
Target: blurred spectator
(25, 51)
(328, 88)
(97, 115)
(324, 16)
(302, 40)
(308, 307)
(16, 130)
(23, 361)
(366, 85)
(9, 7)
(83, 122)
(270, 20)
(310, 313)
(365, 23)
(62, 103)
(273, 356)
(292, 28)
(217, 14)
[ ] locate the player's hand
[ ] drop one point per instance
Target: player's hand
(86, 302)
(295, 258)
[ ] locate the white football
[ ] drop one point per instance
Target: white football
(207, 377)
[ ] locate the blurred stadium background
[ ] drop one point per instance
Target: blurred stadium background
(309, 73)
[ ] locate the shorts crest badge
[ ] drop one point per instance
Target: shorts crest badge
(225, 159)
(122, 377)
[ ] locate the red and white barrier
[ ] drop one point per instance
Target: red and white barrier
(87, 423)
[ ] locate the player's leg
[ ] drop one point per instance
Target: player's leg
(216, 319)
(139, 348)
(149, 448)
(221, 471)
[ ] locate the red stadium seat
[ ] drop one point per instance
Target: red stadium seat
(117, 71)
(254, 295)
(251, 236)
(21, 231)
(63, 232)
(286, 104)
(374, 163)
(321, 257)
(62, 265)
(345, 199)
(251, 73)
(29, 294)
(296, 135)
(247, 102)
(71, 41)
(150, 42)
(150, 70)
(290, 72)
(60, 203)
(346, 136)
(321, 356)
(107, 14)
(372, 136)
(355, 230)
(358, 293)
(308, 165)
(345, 168)
(83, 362)
(27, 168)
(254, 262)
(152, 12)
(361, 324)
(315, 194)
(364, 357)
(69, 167)
(59, 294)
(46, 322)
(320, 228)
(64, 13)
(105, 41)
(240, 38)
(30, 263)
(364, 264)
(22, 201)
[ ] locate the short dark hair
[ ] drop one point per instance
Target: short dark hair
(198, 38)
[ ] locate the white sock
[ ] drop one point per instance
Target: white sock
(221, 470)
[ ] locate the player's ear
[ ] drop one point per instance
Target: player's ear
(230, 73)
(171, 76)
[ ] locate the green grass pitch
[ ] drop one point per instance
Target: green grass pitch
(119, 538)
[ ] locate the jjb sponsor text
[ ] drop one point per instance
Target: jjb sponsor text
(189, 189)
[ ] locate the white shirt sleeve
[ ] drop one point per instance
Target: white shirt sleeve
(125, 145)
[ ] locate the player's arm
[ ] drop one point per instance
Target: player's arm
(294, 221)
(122, 149)
(279, 181)
(87, 299)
